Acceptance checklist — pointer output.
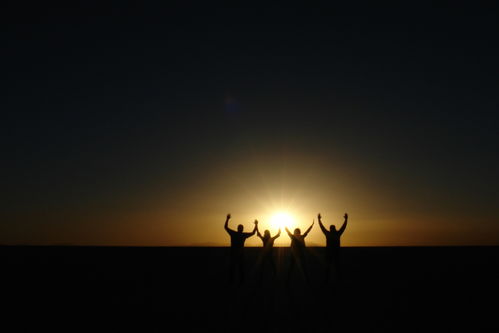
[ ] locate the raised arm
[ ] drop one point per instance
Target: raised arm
(289, 233)
(278, 234)
(226, 225)
(258, 233)
(308, 230)
(249, 234)
(343, 227)
(324, 230)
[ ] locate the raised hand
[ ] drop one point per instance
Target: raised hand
(345, 216)
(319, 216)
(228, 216)
(256, 222)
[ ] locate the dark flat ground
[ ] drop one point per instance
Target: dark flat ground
(134, 289)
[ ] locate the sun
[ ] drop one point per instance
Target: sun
(281, 220)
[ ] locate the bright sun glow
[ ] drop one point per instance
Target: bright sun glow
(281, 220)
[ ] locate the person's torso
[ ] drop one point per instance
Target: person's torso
(333, 239)
(298, 242)
(237, 240)
(268, 242)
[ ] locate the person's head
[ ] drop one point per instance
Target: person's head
(266, 233)
(297, 232)
(240, 228)
(332, 227)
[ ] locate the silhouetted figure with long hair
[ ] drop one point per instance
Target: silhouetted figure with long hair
(266, 256)
(298, 251)
(237, 239)
(333, 246)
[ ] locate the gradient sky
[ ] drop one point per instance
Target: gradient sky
(146, 124)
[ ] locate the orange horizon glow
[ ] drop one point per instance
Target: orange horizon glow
(195, 215)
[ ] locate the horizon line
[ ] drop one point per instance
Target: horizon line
(228, 246)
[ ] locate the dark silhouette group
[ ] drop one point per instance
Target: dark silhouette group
(297, 246)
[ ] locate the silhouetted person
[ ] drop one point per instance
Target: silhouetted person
(333, 245)
(237, 239)
(266, 256)
(298, 251)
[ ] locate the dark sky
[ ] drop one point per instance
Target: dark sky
(138, 123)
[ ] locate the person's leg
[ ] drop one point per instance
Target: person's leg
(291, 266)
(329, 264)
(263, 268)
(232, 268)
(260, 263)
(272, 266)
(302, 268)
(337, 263)
(241, 268)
